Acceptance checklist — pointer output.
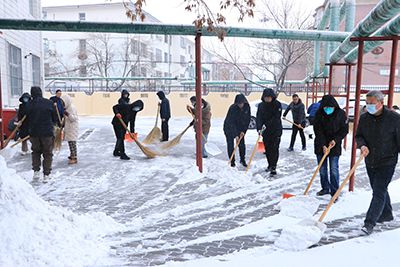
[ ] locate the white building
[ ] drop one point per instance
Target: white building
(116, 55)
(20, 52)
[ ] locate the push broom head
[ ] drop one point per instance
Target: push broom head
(148, 152)
(57, 138)
(153, 136)
(175, 141)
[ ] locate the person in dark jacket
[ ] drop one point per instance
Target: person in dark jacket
(125, 112)
(41, 118)
(124, 100)
(165, 114)
(312, 111)
(330, 127)
(24, 129)
(299, 117)
(58, 105)
(124, 97)
(378, 137)
(235, 126)
(269, 114)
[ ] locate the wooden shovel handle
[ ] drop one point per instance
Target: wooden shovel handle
(318, 168)
(295, 124)
(14, 131)
(126, 128)
(236, 146)
(158, 114)
(345, 181)
(253, 153)
(20, 141)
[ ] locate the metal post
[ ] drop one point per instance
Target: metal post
(330, 79)
(348, 84)
(307, 95)
(392, 78)
(324, 85)
(199, 130)
(356, 109)
(313, 90)
(1, 117)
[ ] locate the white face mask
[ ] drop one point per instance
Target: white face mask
(371, 109)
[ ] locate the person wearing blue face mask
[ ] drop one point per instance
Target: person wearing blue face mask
(378, 137)
(330, 127)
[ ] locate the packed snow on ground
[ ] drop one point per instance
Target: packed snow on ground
(298, 206)
(34, 233)
(167, 212)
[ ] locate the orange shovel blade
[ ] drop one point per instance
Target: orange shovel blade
(128, 137)
(260, 147)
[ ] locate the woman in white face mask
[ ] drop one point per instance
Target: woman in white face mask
(378, 137)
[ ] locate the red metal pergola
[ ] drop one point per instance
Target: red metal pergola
(392, 76)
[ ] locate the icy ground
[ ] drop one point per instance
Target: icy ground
(172, 214)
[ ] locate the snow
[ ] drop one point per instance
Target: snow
(104, 211)
(34, 233)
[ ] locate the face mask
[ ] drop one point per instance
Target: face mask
(371, 109)
(329, 110)
(25, 99)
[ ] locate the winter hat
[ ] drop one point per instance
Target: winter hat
(36, 91)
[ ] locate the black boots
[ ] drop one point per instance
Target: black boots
(116, 153)
(243, 162)
(124, 157)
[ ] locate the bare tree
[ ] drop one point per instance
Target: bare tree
(205, 15)
(277, 56)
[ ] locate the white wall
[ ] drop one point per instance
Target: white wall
(29, 42)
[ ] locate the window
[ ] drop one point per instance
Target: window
(143, 49)
(166, 39)
(35, 71)
(166, 74)
(134, 47)
(32, 6)
(183, 61)
(134, 71)
(183, 43)
(143, 72)
(15, 65)
(82, 70)
(44, 14)
(82, 16)
(158, 74)
(152, 59)
(45, 46)
(47, 69)
(166, 57)
(82, 46)
(158, 55)
(189, 49)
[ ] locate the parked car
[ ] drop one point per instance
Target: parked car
(254, 107)
(342, 104)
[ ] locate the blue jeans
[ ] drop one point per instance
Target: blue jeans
(203, 145)
(380, 207)
(329, 185)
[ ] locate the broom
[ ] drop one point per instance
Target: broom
(58, 131)
(176, 140)
(14, 131)
(20, 141)
(155, 133)
(148, 152)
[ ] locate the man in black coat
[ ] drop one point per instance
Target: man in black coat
(165, 114)
(124, 99)
(235, 126)
(125, 112)
(41, 118)
(378, 137)
(330, 127)
(299, 117)
(269, 116)
(58, 105)
(24, 129)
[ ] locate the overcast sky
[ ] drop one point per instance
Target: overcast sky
(172, 11)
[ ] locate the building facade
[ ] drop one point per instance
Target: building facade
(21, 57)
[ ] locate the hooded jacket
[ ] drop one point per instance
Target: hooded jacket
(269, 115)
(298, 112)
(71, 128)
(237, 120)
(128, 113)
(205, 117)
(41, 115)
(124, 100)
(330, 127)
(381, 134)
(24, 129)
(165, 110)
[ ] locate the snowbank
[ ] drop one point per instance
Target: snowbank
(34, 233)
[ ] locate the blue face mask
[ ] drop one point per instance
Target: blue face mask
(329, 110)
(371, 109)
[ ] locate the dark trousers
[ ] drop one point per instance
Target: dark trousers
(164, 130)
(120, 135)
(329, 181)
(380, 206)
(271, 145)
(296, 129)
(42, 146)
(230, 142)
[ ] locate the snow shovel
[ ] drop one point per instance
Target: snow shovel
(128, 137)
(20, 141)
(309, 232)
(14, 131)
(254, 149)
(287, 195)
(212, 148)
(295, 124)
(155, 133)
(236, 146)
(176, 140)
(149, 153)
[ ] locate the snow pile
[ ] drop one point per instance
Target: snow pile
(301, 236)
(298, 207)
(33, 233)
